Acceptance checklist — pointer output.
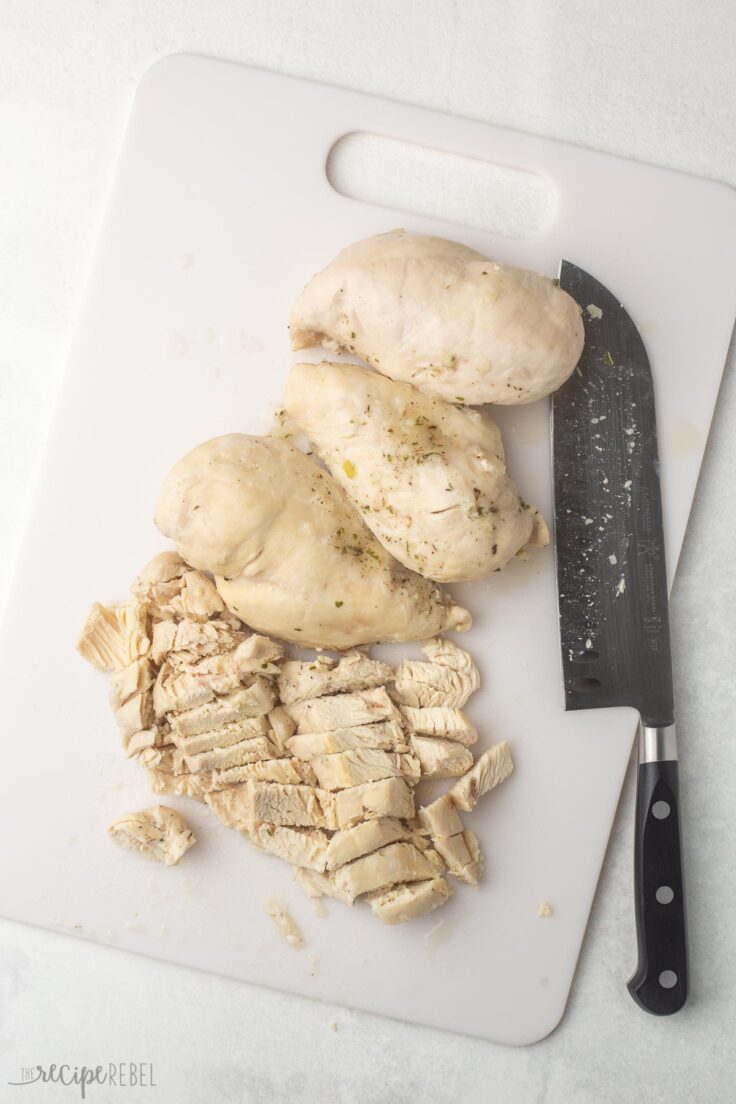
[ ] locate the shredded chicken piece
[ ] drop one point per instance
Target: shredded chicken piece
(233, 755)
(398, 862)
(158, 833)
(369, 835)
(299, 681)
(408, 902)
(491, 768)
(286, 771)
(387, 735)
(316, 885)
(181, 785)
(305, 847)
(441, 818)
(224, 736)
(391, 797)
(343, 710)
(296, 806)
(352, 768)
(461, 855)
(285, 923)
(441, 758)
(448, 679)
(282, 728)
(452, 724)
(253, 701)
(114, 636)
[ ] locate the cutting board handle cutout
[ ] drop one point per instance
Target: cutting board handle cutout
(467, 191)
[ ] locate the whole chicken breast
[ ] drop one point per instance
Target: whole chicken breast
(428, 477)
(289, 554)
(443, 317)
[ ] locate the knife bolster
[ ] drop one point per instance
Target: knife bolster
(657, 744)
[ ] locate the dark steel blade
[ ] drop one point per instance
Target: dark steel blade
(611, 574)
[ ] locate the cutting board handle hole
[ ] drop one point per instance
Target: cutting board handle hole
(419, 180)
(586, 685)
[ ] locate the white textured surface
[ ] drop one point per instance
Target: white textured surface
(615, 78)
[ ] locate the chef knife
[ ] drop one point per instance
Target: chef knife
(612, 588)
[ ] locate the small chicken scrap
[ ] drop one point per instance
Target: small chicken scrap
(314, 761)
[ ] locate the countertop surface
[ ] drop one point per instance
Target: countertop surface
(655, 82)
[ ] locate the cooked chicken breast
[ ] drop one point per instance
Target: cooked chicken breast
(391, 797)
(158, 833)
(443, 317)
(491, 768)
(387, 735)
(448, 679)
(352, 843)
(429, 479)
(290, 556)
(398, 862)
(461, 855)
(409, 902)
(441, 758)
(112, 637)
(344, 769)
(452, 724)
(315, 678)
(343, 710)
(284, 923)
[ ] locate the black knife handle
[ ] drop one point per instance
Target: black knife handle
(660, 983)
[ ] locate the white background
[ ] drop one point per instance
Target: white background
(654, 81)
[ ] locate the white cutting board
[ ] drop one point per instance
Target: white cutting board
(220, 212)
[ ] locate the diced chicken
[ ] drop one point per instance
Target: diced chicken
(343, 710)
(493, 767)
(163, 568)
(224, 736)
(355, 671)
(462, 857)
(135, 715)
(174, 692)
(140, 742)
(284, 922)
(287, 771)
(451, 724)
(408, 902)
(255, 701)
(306, 847)
(441, 758)
(398, 862)
(221, 758)
(316, 885)
(127, 681)
(181, 785)
(296, 806)
(258, 654)
(282, 728)
(352, 843)
(387, 735)
(158, 833)
(440, 818)
(448, 679)
(391, 797)
(198, 598)
(114, 636)
(352, 768)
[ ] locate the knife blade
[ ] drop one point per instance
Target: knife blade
(613, 607)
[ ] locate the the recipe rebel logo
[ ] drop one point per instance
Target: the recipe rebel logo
(118, 1075)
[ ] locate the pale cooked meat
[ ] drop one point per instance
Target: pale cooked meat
(127, 681)
(398, 862)
(179, 692)
(391, 797)
(203, 638)
(313, 679)
(353, 768)
(254, 701)
(162, 640)
(440, 818)
(316, 884)
(158, 833)
(388, 735)
(267, 770)
(198, 598)
(461, 855)
(284, 922)
(258, 654)
(297, 806)
(134, 715)
(441, 758)
(451, 724)
(409, 902)
(114, 636)
(181, 785)
(491, 768)
(429, 478)
(440, 315)
(448, 679)
(282, 728)
(305, 847)
(352, 843)
(224, 736)
(234, 755)
(335, 586)
(343, 710)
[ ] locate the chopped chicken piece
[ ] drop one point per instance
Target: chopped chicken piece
(352, 843)
(258, 654)
(181, 785)
(285, 923)
(174, 692)
(545, 909)
(135, 715)
(198, 598)
(429, 478)
(441, 818)
(317, 885)
(447, 680)
(163, 638)
(305, 847)
(388, 735)
(443, 317)
(267, 770)
(398, 862)
(441, 758)
(255, 701)
(452, 724)
(493, 767)
(158, 833)
(408, 902)
(296, 806)
(234, 755)
(461, 855)
(282, 728)
(133, 679)
(163, 568)
(205, 638)
(352, 768)
(114, 636)
(355, 671)
(391, 797)
(141, 741)
(343, 710)
(224, 736)
(334, 587)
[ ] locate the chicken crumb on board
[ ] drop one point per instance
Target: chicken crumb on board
(545, 909)
(284, 923)
(159, 833)
(314, 761)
